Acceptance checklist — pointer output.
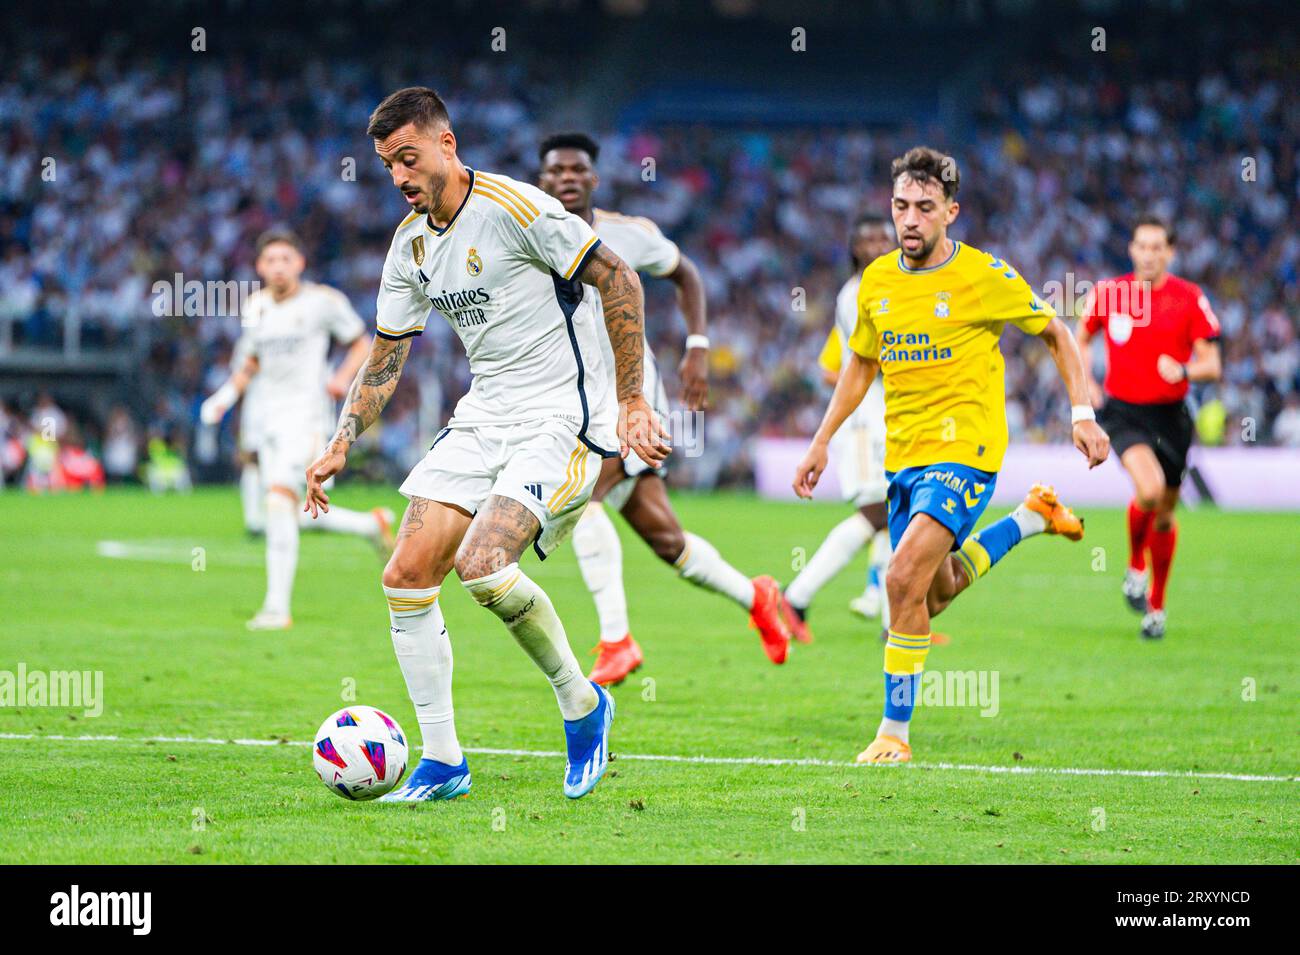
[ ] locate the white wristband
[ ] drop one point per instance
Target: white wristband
(697, 341)
(1082, 413)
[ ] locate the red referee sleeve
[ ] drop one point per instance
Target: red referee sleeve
(1205, 324)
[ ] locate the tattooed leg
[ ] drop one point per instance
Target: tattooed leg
(426, 544)
(501, 531)
(489, 569)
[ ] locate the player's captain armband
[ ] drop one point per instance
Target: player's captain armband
(1082, 413)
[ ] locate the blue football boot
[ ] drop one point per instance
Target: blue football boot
(587, 740)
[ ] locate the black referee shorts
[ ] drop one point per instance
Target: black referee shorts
(1165, 428)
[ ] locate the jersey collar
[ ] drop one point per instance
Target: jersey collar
(956, 247)
(459, 209)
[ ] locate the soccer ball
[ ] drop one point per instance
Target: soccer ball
(360, 752)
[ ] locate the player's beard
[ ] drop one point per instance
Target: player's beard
(431, 194)
(436, 186)
(922, 253)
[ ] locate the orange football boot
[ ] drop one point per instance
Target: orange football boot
(1060, 519)
(886, 750)
(384, 540)
(794, 621)
(765, 617)
(615, 661)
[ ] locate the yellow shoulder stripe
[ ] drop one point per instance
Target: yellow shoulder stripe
(578, 258)
(510, 189)
(523, 223)
(409, 219)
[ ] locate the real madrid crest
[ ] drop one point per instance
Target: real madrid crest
(417, 249)
(941, 304)
(473, 264)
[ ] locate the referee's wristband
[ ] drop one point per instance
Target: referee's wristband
(1082, 413)
(697, 341)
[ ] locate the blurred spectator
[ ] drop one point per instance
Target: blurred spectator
(121, 446)
(1286, 429)
(175, 171)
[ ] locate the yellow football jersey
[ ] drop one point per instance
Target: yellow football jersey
(935, 333)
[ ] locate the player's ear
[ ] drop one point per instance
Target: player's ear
(954, 207)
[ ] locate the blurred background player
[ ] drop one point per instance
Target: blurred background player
(252, 497)
(929, 319)
(288, 325)
(859, 452)
(632, 487)
(1161, 334)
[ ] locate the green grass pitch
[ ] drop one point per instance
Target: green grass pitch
(1078, 690)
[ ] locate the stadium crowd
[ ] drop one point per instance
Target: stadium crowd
(117, 173)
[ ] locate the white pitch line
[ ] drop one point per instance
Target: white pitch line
(705, 760)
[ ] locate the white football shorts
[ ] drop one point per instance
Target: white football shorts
(283, 456)
(860, 463)
(542, 465)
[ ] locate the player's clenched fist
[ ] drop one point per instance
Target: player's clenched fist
(318, 472)
(1092, 441)
(810, 469)
(640, 430)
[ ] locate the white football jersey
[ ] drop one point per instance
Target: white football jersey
(250, 417)
(638, 242)
(871, 413)
(291, 341)
(503, 273)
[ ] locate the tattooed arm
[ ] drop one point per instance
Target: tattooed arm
(371, 389)
(620, 296)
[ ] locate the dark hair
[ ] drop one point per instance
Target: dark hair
(1155, 220)
(279, 234)
(864, 220)
(569, 141)
(922, 164)
(415, 104)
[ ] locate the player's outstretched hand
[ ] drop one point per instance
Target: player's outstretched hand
(212, 411)
(1092, 442)
(810, 469)
(694, 375)
(330, 463)
(640, 430)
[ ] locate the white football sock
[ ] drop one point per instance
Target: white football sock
(843, 542)
(281, 551)
(529, 616)
(896, 728)
(885, 615)
(1029, 522)
(881, 551)
(424, 654)
(882, 548)
(252, 498)
(600, 558)
(702, 565)
(340, 520)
